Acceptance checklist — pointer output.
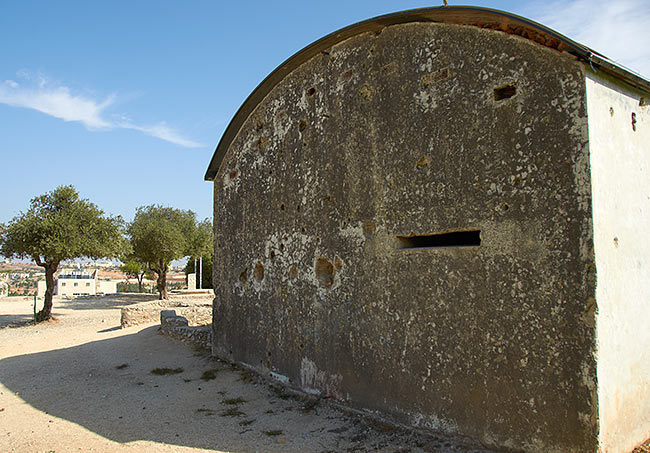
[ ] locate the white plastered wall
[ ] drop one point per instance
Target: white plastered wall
(620, 165)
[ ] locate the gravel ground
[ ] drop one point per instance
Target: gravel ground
(80, 383)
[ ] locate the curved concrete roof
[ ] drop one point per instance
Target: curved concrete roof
(460, 15)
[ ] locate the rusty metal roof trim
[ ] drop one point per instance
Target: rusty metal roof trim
(461, 15)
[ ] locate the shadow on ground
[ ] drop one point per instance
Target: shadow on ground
(108, 387)
(16, 320)
(101, 386)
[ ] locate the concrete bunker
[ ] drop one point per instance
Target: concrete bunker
(438, 215)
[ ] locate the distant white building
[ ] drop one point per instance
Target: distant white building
(75, 282)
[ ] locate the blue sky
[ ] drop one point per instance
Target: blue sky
(127, 100)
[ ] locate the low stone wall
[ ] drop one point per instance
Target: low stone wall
(176, 326)
(195, 306)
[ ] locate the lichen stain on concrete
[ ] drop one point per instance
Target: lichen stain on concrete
(318, 381)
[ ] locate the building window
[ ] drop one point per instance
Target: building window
(87, 284)
(63, 284)
(76, 284)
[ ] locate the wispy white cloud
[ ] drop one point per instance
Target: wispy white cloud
(58, 101)
(616, 28)
(163, 132)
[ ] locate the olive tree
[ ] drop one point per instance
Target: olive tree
(60, 226)
(160, 235)
(132, 267)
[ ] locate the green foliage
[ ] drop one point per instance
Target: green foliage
(132, 268)
(160, 235)
(203, 242)
(60, 226)
(134, 288)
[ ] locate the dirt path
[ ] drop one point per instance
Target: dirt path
(82, 384)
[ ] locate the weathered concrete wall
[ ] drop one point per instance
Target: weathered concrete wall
(421, 129)
(619, 143)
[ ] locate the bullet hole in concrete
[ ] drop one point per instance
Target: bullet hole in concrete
(302, 346)
(504, 207)
(270, 172)
(261, 144)
(441, 240)
(303, 230)
(281, 247)
(233, 174)
(289, 310)
(324, 272)
(293, 271)
(243, 277)
(423, 162)
(441, 74)
(425, 81)
(368, 228)
(367, 91)
(268, 353)
(272, 254)
(504, 92)
(268, 364)
(282, 207)
(311, 91)
(298, 208)
(611, 111)
(258, 272)
(634, 121)
(302, 125)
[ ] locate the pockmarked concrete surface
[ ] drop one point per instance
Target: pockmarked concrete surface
(81, 383)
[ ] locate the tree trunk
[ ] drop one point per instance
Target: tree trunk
(46, 313)
(161, 284)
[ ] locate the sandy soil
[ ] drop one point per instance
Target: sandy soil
(81, 383)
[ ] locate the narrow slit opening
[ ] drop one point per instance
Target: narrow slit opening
(452, 239)
(504, 92)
